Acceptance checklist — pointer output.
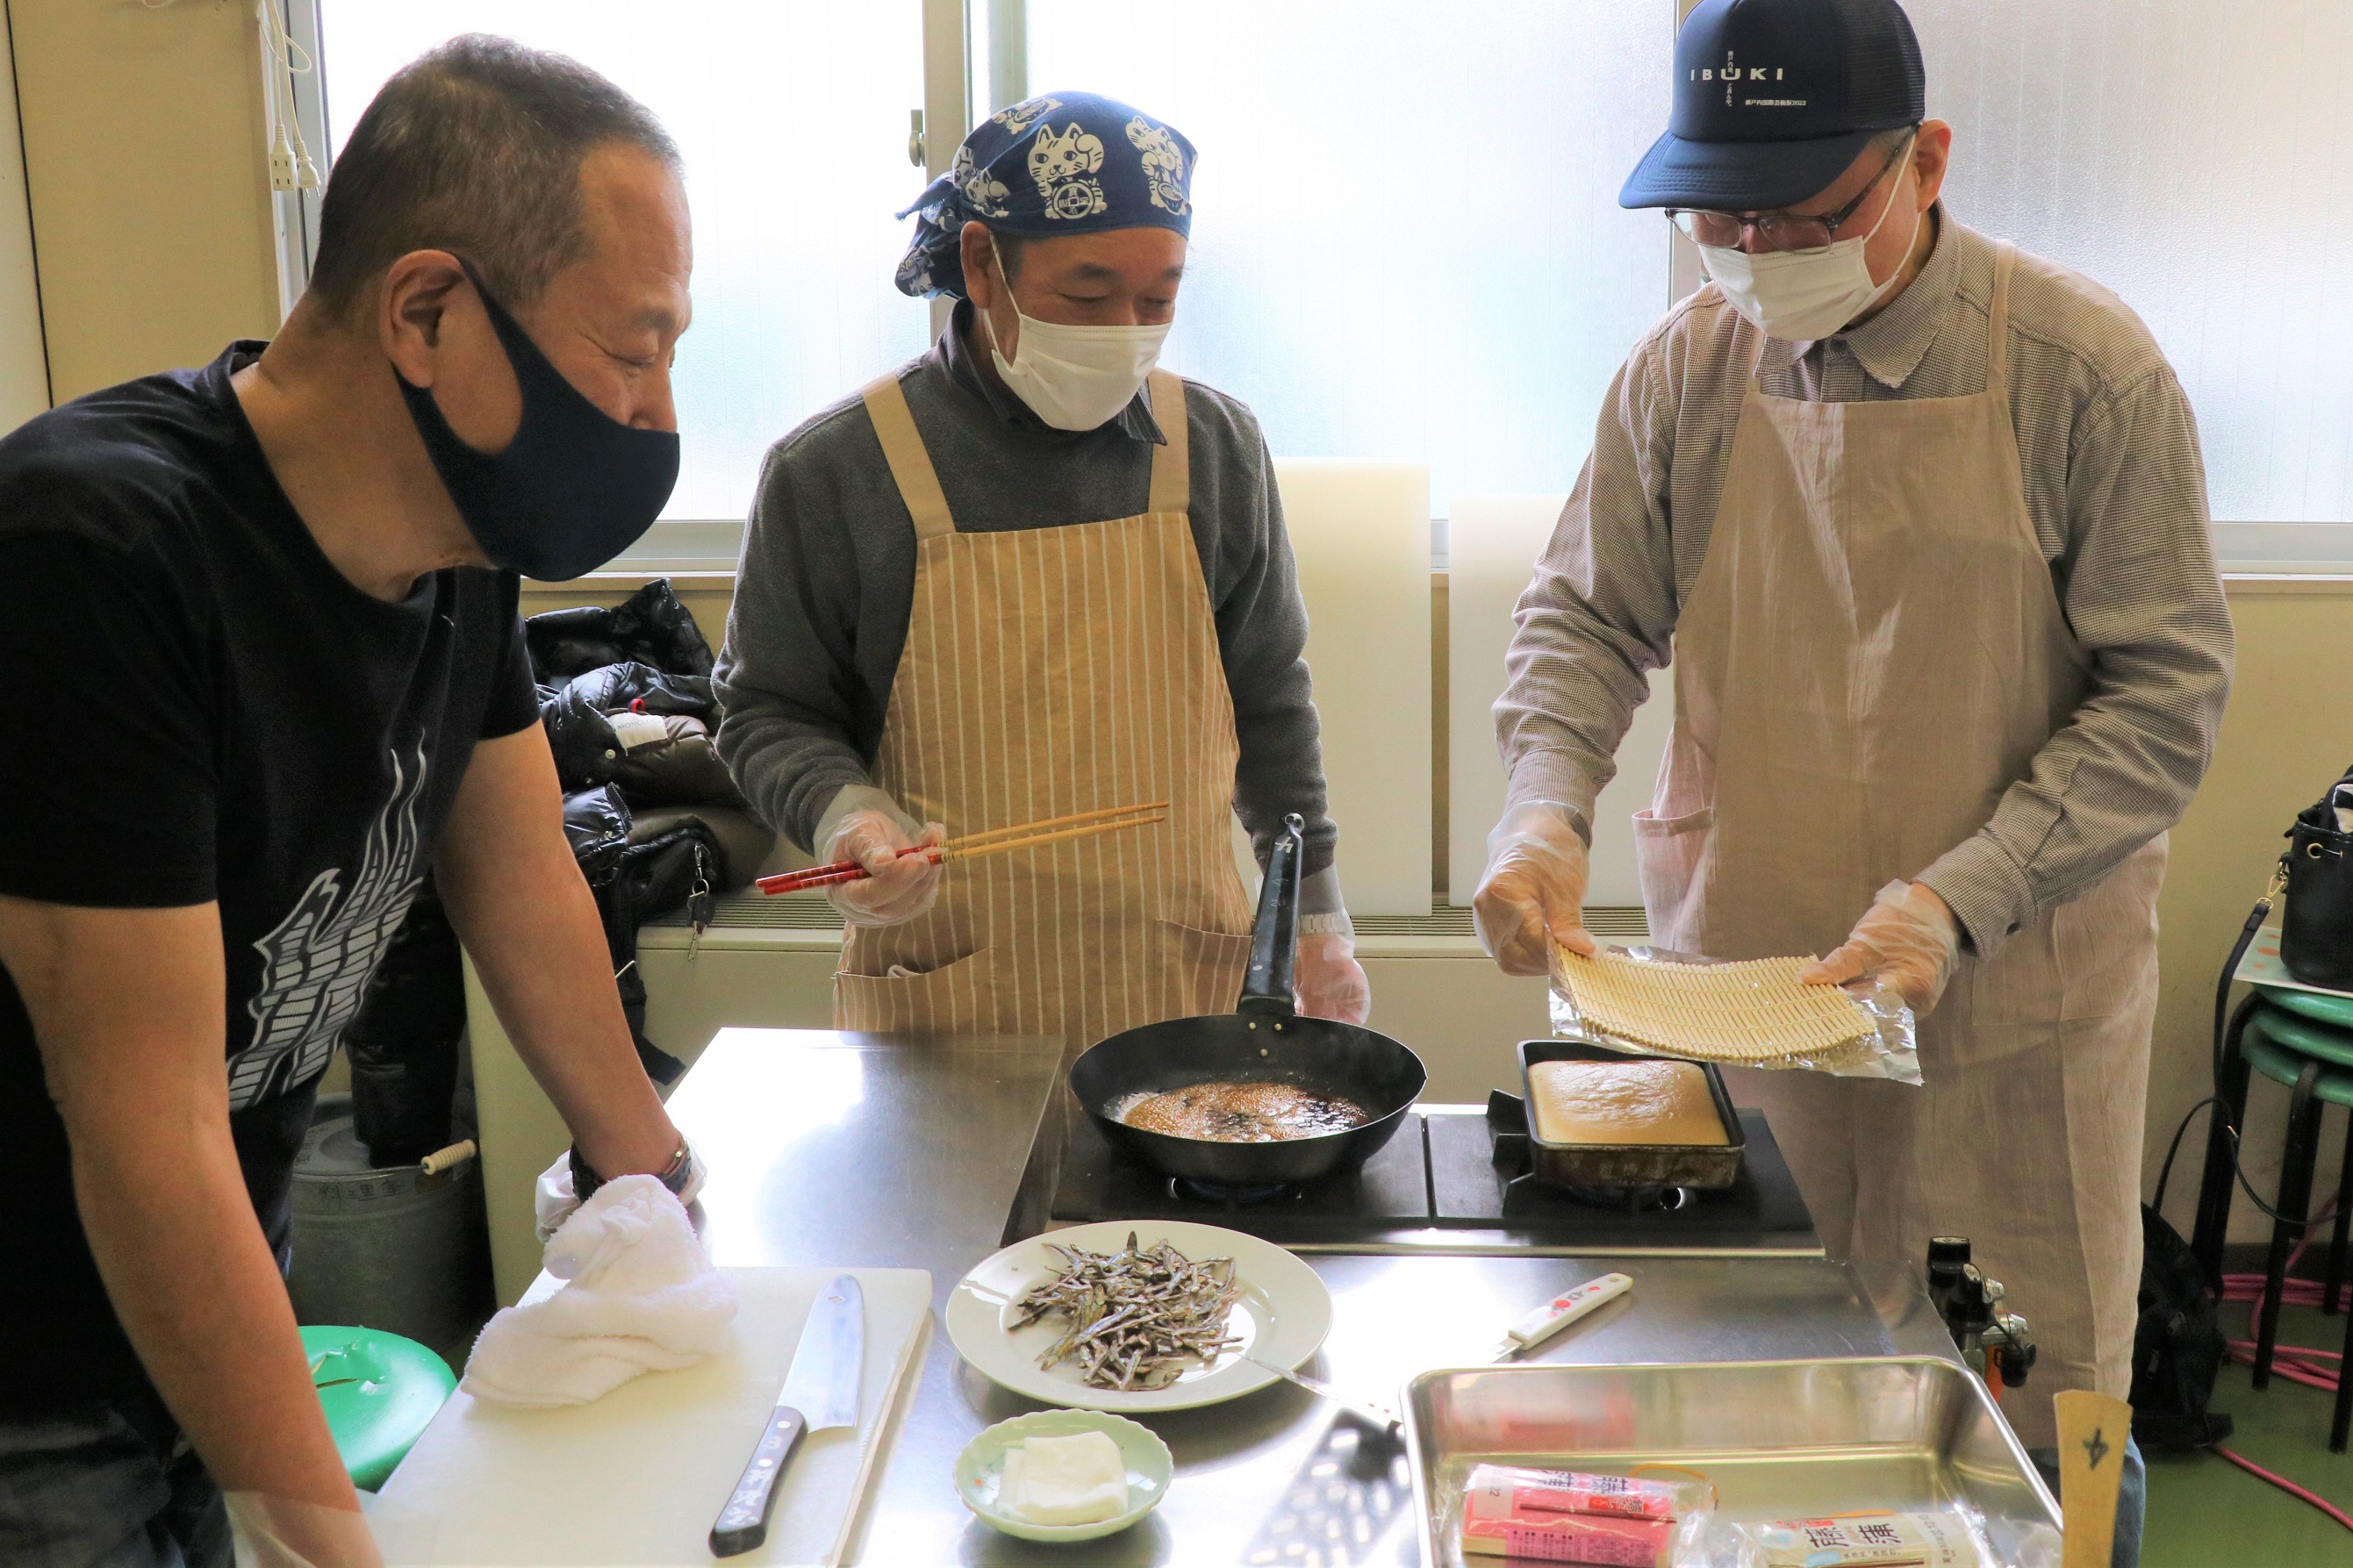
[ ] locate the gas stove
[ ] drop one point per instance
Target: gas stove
(1454, 1181)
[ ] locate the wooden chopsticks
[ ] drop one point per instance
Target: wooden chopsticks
(973, 846)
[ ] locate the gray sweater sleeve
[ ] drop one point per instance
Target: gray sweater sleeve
(799, 723)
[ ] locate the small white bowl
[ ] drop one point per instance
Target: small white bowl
(981, 1466)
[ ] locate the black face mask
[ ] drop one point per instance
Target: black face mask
(573, 489)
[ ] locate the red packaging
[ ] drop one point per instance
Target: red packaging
(1494, 1523)
(1573, 1491)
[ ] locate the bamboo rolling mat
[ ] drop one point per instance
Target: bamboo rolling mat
(1754, 1011)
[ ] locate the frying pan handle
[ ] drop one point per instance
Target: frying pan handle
(1274, 939)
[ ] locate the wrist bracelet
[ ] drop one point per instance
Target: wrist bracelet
(1334, 922)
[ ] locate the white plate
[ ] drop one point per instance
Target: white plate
(1282, 1318)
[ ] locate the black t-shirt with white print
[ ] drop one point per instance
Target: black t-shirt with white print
(205, 710)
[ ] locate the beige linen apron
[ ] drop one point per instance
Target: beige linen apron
(1047, 671)
(1872, 653)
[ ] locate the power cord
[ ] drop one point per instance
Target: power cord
(290, 168)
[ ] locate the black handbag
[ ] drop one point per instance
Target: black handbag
(2317, 927)
(2178, 1345)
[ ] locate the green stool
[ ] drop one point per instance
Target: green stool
(379, 1392)
(2313, 1058)
(2319, 1007)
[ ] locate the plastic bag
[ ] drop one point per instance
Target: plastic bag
(1891, 1052)
(1948, 1538)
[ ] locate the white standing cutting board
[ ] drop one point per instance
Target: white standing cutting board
(638, 1476)
(1492, 545)
(1360, 534)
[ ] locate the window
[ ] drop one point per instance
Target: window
(793, 119)
(1407, 243)
(2193, 157)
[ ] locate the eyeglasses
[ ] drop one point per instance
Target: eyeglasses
(1779, 230)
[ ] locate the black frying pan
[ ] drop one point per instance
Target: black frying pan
(1261, 1041)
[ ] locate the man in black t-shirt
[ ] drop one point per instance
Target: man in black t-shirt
(271, 604)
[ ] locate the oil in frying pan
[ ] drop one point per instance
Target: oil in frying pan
(1239, 1112)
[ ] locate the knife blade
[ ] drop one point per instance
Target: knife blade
(1379, 1415)
(820, 1392)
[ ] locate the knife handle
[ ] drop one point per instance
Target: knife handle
(744, 1522)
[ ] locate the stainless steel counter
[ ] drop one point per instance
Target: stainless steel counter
(871, 1150)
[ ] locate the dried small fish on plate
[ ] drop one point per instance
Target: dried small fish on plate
(1280, 1314)
(1136, 1319)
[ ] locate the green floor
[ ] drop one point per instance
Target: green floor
(2205, 1512)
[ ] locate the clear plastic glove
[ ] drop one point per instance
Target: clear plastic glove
(1328, 980)
(1534, 892)
(279, 1533)
(1908, 938)
(900, 886)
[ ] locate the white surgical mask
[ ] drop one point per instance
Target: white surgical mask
(1075, 378)
(1802, 295)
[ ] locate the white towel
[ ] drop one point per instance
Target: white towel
(642, 1297)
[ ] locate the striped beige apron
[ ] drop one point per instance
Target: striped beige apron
(1872, 653)
(1047, 671)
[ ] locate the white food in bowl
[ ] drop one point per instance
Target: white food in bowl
(1078, 1479)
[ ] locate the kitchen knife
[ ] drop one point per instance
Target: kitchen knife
(1559, 1312)
(820, 1392)
(1380, 1416)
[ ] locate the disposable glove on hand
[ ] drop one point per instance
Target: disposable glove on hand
(1534, 892)
(1328, 980)
(900, 886)
(282, 1532)
(1909, 939)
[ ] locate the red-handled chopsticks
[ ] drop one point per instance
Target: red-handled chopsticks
(973, 846)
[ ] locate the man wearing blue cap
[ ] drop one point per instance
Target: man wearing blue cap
(1923, 523)
(1025, 575)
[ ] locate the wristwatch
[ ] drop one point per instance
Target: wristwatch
(585, 1182)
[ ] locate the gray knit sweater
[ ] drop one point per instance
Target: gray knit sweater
(827, 582)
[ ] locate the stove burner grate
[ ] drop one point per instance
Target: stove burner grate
(1523, 1194)
(1228, 1194)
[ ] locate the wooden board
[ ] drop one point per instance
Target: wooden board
(638, 1476)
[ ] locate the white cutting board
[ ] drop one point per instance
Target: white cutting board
(638, 1476)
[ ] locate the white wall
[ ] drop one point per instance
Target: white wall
(148, 175)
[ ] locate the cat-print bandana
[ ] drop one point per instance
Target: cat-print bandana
(1062, 162)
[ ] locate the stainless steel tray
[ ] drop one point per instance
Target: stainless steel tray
(1781, 1439)
(1702, 1166)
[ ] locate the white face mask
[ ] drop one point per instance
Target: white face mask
(1074, 378)
(1803, 295)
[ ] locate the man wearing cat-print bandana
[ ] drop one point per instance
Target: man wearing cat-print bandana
(935, 623)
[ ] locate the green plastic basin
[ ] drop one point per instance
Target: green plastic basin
(379, 1392)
